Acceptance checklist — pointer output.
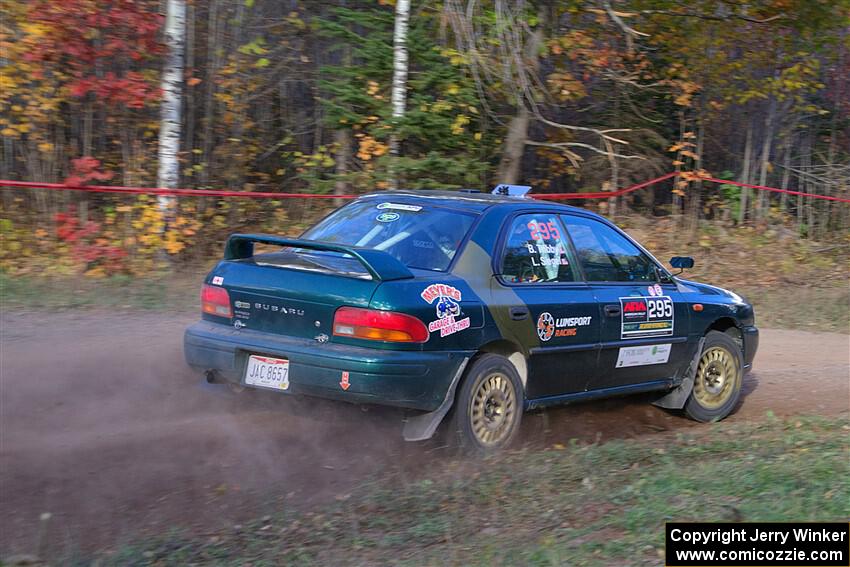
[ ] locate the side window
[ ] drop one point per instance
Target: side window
(605, 255)
(537, 251)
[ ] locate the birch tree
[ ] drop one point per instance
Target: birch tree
(172, 91)
(399, 89)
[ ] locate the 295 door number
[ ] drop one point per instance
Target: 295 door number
(646, 317)
(661, 308)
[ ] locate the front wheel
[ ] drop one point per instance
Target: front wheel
(489, 406)
(718, 379)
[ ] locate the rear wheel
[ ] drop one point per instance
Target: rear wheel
(718, 379)
(489, 405)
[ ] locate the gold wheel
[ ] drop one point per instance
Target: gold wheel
(493, 409)
(717, 378)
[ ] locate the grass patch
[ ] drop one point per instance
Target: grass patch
(801, 307)
(157, 292)
(582, 505)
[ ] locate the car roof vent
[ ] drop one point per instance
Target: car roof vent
(511, 190)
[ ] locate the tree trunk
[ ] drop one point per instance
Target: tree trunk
(745, 174)
(83, 197)
(342, 139)
(212, 64)
(172, 91)
(786, 176)
(189, 138)
(509, 166)
(511, 162)
(615, 182)
(831, 177)
(399, 88)
(767, 144)
(695, 195)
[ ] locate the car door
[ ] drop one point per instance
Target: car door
(645, 321)
(538, 267)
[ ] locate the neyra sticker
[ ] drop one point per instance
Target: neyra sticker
(400, 207)
(344, 383)
(646, 317)
(446, 301)
(643, 355)
(548, 326)
(217, 280)
(388, 217)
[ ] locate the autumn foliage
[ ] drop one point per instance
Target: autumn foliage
(296, 97)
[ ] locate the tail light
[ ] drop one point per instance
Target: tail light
(376, 325)
(215, 301)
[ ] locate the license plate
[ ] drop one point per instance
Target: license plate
(267, 372)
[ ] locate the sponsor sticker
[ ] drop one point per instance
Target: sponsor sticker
(658, 291)
(646, 317)
(344, 382)
(548, 326)
(643, 355)
(388, 217)
(446, 300)
(651, 290)
(400, 207)
(218, 280)
(545, 326)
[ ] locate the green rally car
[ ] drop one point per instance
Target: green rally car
(472, 305)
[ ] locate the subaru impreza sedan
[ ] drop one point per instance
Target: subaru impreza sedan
(468, 309)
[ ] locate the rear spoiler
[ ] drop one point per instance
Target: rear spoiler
(380, 265)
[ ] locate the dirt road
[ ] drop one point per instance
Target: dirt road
(104, 428)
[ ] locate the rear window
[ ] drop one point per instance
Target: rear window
(419, 236)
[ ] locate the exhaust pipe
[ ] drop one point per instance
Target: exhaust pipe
(210, 376)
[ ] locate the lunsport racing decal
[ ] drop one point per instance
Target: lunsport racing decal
(646, 317)
(446, 300)
(548, 326)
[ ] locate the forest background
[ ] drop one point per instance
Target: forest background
(351, 96)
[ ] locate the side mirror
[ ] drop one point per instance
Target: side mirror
(682, 262)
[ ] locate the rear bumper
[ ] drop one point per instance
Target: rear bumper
(751, 345)
(410, 379)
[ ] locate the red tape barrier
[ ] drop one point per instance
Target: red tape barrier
(269, 195)
(603, 194)
(162, 191)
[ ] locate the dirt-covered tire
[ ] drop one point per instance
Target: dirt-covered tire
(718, 379)
(489, 405)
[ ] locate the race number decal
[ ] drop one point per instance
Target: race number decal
(646, 317)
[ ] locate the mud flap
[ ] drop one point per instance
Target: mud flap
(423, 426)
(677, 397)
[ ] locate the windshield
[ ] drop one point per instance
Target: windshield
(419, 236)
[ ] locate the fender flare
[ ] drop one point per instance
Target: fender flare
(677, 397)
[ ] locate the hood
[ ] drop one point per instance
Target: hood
(687, 286)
